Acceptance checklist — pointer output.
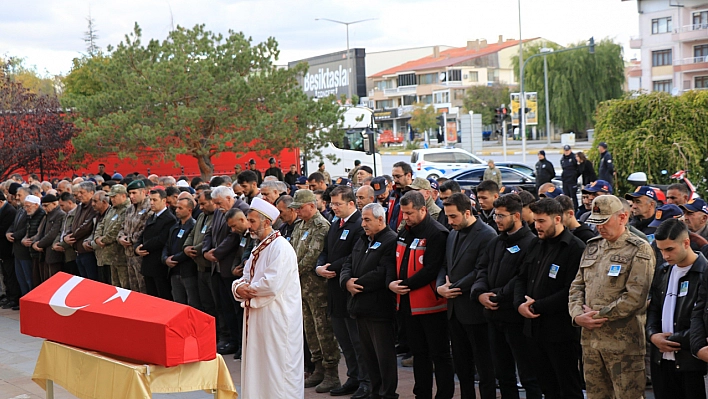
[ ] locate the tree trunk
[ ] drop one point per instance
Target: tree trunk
(206, 168)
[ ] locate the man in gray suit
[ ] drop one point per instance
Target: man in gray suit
(468, 326)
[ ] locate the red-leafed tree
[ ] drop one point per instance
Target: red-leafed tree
(34, 137)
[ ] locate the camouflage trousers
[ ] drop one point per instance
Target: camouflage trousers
(136, 281)
(119, 276)
(613, 375)
(318, 327)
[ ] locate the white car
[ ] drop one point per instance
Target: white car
(435, 162)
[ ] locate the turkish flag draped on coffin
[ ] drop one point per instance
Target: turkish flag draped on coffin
(75, 311)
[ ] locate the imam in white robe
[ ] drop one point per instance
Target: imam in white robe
(272, 352)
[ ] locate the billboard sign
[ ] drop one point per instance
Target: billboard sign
(330, 74)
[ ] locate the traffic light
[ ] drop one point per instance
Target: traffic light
(505, 113)
(441, 120)
(591, 45)
(498, 116)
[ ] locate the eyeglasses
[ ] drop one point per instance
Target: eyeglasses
(500, 216)
(398, 176)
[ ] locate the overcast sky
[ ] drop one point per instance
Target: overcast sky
(49, 33)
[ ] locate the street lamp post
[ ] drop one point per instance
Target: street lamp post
(522, 97)
(545, 51)
(349, 61)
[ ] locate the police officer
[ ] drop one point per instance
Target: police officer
(308, 240)
(607, 168)
(106, 236)
(544, 170)
(608, 299)
(675, 373)
(570, 174)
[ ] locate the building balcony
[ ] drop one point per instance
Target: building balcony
(691, 64)
(690, 33)
(635, 42)
(400, 90)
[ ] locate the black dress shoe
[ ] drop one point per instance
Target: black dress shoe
(16, 307)
(237, 355)
(227, 349)
(9, 305)
(362, 393)
(348, 388)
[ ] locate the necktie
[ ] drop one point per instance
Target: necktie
(341, 223)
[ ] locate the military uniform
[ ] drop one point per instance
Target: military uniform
(614, 278)
(113, 254)
(308, 240)
(133, 226)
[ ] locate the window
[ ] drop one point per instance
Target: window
(427, 99)
(663, 85)
(408, 100)
(661, 57)
(661, 25)
(473, 76)
(510, 176)
(493, 75)
(384, 104)
(408, 79)
(442, 97)
(454, 75)
(427, 79)
(701, 82)
(440, 157)
(700, 20)
(700, 52)
(474, 175)
(384, 84)
(458, 94)
(461, 157)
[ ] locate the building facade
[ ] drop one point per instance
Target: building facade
(673, 40)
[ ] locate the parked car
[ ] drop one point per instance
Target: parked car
(435, 162)
(469, 179)
(523, 168)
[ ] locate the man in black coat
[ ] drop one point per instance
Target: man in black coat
(545, 172)
(182, 269)
(675, 373)
(420, 254)
(12, 287)
(541, 296)
(15, 233)
(497, 271)
(570, 174)
(370, 302)
(468, 327)
(344, 231)
(151, 242)
(222, 247)
(42, 242)
(606, 170)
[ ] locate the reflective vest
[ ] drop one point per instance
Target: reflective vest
(424, 300)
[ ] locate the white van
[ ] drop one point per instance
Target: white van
(435, 162)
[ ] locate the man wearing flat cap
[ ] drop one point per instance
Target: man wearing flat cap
(50, 261)
(608, 299)
(270, 295)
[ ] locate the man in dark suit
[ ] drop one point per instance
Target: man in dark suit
(222, 246)
(371, 303)
(182, 269)
(12, 287)
(50, 227)
(541, 297)
(468, 326)
(151, 242)
(344, 231)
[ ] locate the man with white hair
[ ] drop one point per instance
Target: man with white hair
(35, 214)
(270, 294)
(222, 247)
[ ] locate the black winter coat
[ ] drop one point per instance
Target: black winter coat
(369, 263)
(548, 270)
(186, 267)
(497, 271)
(153, 240)
(7, 217)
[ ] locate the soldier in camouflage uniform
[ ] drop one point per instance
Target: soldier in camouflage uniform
(608, 299)
(106, 237)
(308, 241)
(133, 226)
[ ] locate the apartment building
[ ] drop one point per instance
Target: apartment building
(673, 40)
(440, 79)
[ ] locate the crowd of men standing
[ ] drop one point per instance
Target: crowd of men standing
(500, 286)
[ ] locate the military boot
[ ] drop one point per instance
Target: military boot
(316, 377)
(331, 380)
